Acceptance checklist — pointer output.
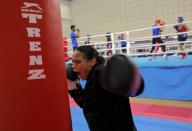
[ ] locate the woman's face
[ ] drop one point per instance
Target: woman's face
(81, 65)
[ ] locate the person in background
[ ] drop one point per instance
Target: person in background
(87, 41)
(123, 43)
(163, 47)
(109, 53)
(181, 37)
(109, 44)
(156, 39)
(74, 36)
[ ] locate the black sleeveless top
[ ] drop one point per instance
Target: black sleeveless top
(105, 111)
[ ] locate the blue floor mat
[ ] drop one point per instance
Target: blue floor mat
(142, 123)
(161, 62)
(154, 124)
(78, 120)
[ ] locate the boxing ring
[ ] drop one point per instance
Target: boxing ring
(165, 77)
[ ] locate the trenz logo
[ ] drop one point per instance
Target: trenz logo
(31, 7)
(33, 32)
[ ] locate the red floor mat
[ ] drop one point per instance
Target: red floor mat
(158, 111)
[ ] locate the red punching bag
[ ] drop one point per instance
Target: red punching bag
(33, 88)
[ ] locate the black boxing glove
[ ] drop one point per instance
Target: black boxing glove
(71, 75)
(74, 87)
(121, 77)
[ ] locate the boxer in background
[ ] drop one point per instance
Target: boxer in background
(181, 37)
(123, 43)
(105, 98)
(163, 47)
(74, 36)
(156, 32)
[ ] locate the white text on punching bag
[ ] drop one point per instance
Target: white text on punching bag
(32, 17)
(34, 46)
(36, 74)
(36, 60)
(33, 32)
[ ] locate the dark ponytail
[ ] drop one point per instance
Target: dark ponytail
(91, 53)
(100, 60)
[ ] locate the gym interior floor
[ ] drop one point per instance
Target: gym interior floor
(149, 115)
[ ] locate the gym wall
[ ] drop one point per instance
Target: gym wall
(101, 16)
(65, 6)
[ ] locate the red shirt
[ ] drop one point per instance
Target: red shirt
(181, 28)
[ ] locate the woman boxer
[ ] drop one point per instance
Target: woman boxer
(103, 109)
